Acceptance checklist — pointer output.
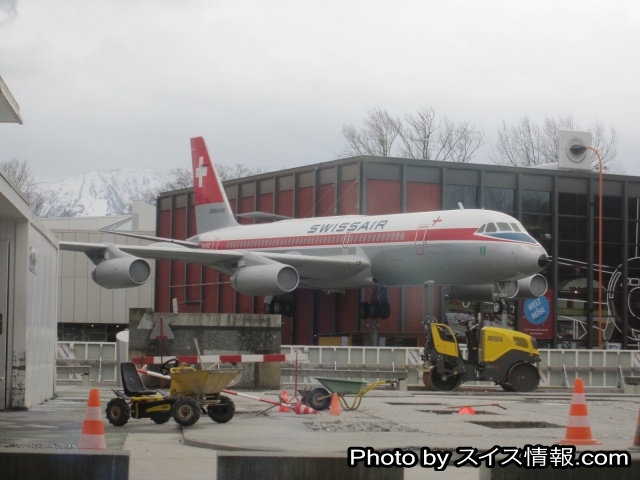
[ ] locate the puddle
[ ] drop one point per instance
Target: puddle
(514, 425)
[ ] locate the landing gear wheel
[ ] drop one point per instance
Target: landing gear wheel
(166, 367)
(277, 306)
(289, 308)
(374, 309)
(223, 411)
(498, 307)
(523, 377)
(444, 384)
(185, 411)
(161, 418)
(385, 310)
(319, 399)
(267, 309)
(118, 412)
(363, 311)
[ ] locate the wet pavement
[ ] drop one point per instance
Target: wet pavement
(386, 420)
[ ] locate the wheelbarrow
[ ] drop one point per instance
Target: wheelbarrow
(198, 391)
(320, 397)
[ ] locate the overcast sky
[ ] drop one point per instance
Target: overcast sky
(113, 83)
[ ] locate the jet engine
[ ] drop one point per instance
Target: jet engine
(272, 279)
(530, 287)
(122, 272)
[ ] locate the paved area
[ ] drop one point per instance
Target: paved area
(386, 420)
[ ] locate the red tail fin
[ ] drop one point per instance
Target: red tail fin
(212, 206)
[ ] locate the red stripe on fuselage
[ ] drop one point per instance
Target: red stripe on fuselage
(340, 239)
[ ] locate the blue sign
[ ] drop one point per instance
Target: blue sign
(537, 310)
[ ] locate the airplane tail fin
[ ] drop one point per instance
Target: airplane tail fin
(212, 206)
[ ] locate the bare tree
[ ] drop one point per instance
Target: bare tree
(527, 144)
(227, 172)
(183, 178)
(426, 138)
(376, 137)
(421, 136)
(19, 172)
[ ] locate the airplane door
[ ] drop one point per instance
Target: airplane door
(4, 314)
(345, 243)
(421, 239)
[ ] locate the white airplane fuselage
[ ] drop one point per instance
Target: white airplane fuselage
(403, 249)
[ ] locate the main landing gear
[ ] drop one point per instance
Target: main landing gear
(277, 305)
(378, 307)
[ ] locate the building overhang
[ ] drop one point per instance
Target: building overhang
(9, 108)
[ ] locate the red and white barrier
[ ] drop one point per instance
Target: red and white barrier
(271, 357)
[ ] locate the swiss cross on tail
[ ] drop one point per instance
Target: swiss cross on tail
(212, 207)
(205, 180)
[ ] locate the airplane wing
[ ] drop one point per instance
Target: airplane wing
(226, 261)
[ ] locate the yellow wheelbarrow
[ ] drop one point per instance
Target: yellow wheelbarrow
(320, 397)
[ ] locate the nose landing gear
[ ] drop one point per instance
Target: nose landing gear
(377, 307)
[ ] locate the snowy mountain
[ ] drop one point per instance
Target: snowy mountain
(101, 193)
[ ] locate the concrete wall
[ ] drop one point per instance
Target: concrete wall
(54, 464)
(217, 334)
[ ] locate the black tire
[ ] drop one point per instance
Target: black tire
(267, 309)
(168, 365)
(319, 399)
(277, 306)
(444, 384)
(185, 411)
(223, 411)
(498, 307)
(289, 308)
(363, 310)
(161, 418)
(374, 310)
(523, 377)
(385, 310)
(118, 412)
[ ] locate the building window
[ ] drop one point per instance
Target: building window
(460, 194)
(500, 199)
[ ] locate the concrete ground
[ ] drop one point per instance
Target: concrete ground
(386, 420)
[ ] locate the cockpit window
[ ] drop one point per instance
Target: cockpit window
(491, 228)
(481, 229)
(504, 227)
(515, 227)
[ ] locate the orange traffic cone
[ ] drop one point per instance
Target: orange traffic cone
(466, 411)
(284, 398)
(92, 436)
(636, 439)
(578, 428)
(302, 409)
(334, 409)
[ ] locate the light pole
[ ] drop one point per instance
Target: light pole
(577, 150)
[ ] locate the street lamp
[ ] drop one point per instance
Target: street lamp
(578, 150)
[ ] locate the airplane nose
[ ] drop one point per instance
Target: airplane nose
(543, 260)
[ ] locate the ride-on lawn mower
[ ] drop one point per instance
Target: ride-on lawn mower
(506, 357)
(192, 392)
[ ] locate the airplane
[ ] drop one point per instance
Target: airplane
(481, 254)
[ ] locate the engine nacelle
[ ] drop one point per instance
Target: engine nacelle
(272, 279)
(123, 272)
(530, 287)
(475, 293)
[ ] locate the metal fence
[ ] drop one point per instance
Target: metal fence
(99, 356)
(598, 368)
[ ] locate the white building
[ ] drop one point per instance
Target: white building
(28, 293)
